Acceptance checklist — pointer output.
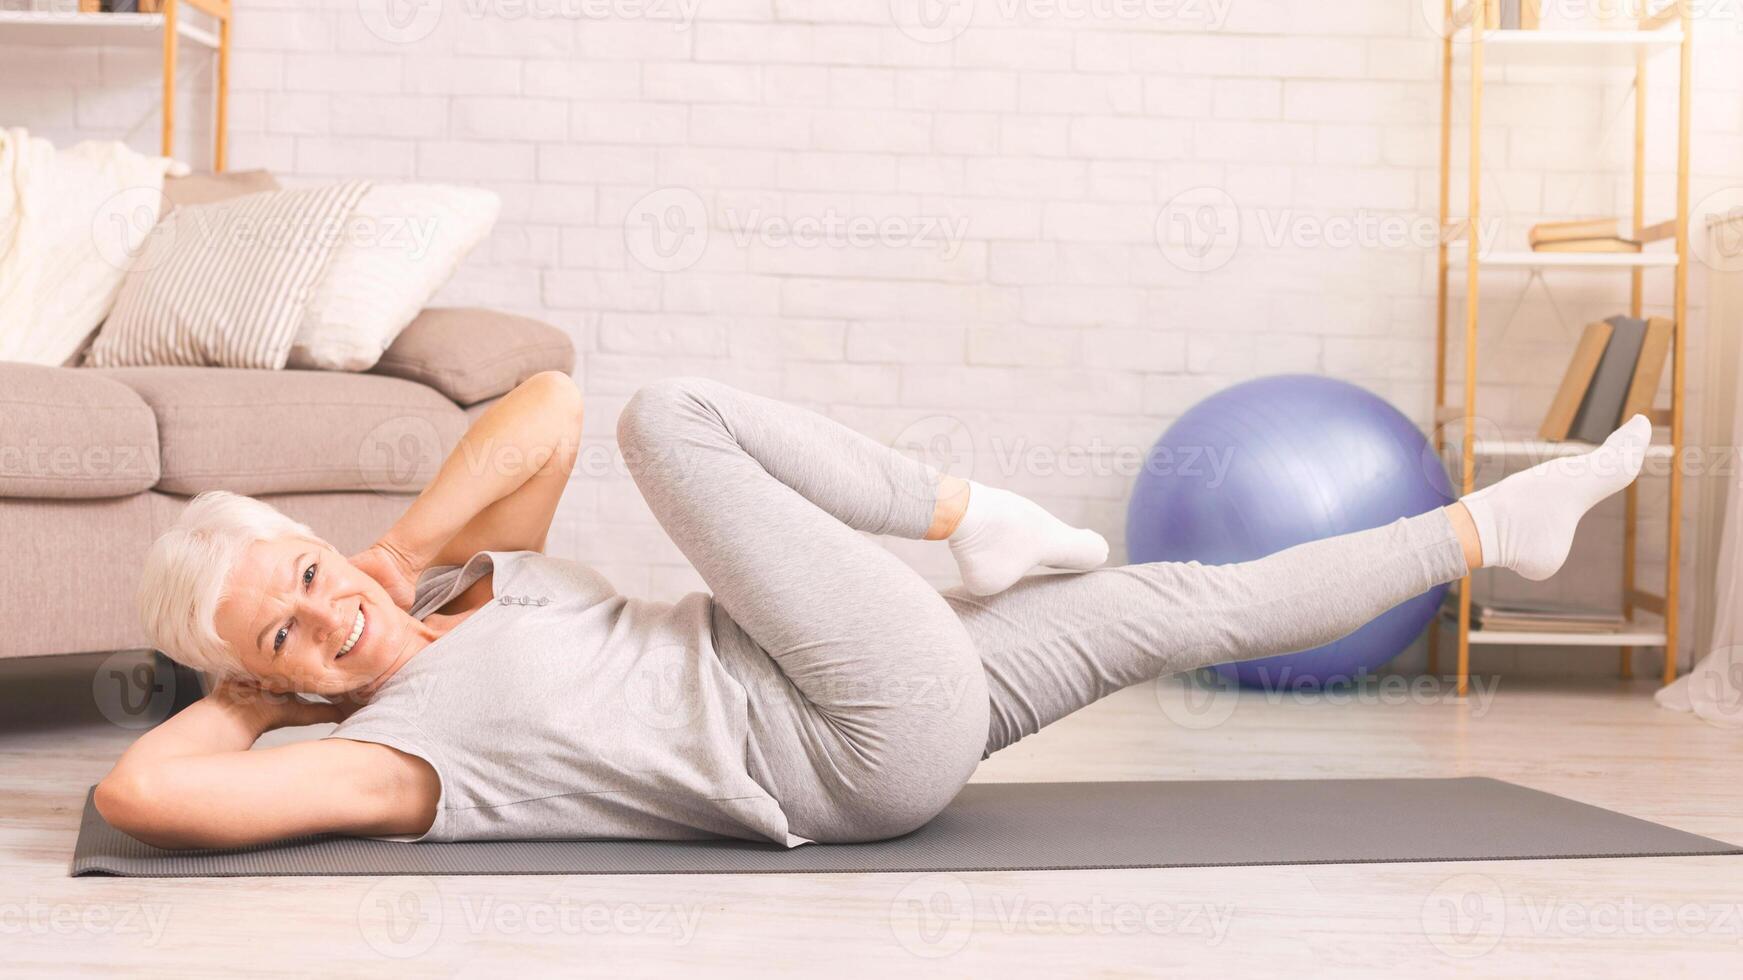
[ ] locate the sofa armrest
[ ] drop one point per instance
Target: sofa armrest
(69, 433)
(472, 355)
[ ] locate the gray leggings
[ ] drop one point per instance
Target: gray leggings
(873, 695)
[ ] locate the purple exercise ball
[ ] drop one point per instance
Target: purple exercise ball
(1274, 462)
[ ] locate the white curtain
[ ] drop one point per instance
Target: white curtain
(1714, 689)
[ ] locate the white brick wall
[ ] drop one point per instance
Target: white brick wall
(1019, 166)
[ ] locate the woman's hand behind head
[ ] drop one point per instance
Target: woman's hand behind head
(385, 565)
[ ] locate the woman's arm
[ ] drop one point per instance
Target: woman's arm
(497, 490)
(193, 781)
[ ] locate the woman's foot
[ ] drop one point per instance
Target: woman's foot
(1526, 522)
(1003, 535)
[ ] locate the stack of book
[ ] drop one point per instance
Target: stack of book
(1594, 235)
(1535, 617)
(1614, 375)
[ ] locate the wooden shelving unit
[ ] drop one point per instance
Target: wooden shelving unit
(168, 29)
(1659, 32)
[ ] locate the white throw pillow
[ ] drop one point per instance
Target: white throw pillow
(226, 284)
(404, 242)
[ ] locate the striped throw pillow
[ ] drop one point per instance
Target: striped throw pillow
(226, 284)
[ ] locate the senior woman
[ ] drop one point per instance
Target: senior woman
(821, 691)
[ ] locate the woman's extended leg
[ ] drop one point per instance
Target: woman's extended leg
(868, 705)
(1052, 644)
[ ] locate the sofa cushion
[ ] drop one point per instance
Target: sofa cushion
(471, 355)
(68, 433)
(255, 431)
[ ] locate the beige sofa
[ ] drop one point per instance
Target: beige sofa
(95, 462)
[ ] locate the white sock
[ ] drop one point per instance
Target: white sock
(1004, 534)
(1526, 522)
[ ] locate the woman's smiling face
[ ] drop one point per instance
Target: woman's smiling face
(300, 617)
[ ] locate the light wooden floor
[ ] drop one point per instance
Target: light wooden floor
(1601, 743)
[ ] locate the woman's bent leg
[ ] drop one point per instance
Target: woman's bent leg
(868, 704)
(1052, 644)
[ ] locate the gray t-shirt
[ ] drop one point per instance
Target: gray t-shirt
(563, 710)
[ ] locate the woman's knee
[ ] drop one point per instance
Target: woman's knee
(652, 421)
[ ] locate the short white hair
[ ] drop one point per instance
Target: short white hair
(186, 570)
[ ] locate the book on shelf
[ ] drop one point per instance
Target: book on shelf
(1518, 616)
(1514, 15)
(1575, 382)
(1649, 368)
(1601, 410)
(1613, 375)
(1568, 231)
(1589, 245)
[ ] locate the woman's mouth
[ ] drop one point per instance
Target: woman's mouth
(356, 636)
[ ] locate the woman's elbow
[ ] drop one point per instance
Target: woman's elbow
(123, 798)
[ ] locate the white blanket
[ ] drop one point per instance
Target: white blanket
(70, 224)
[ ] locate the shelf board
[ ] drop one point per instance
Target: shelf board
(1576, 47)
(1630, 638)
(1542, 449)
(68, 29)
(1636, 635)
(1567, 260)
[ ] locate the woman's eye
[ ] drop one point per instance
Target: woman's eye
(309, 574)
(278, 638)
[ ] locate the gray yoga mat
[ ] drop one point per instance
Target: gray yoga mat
(1020, 826)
